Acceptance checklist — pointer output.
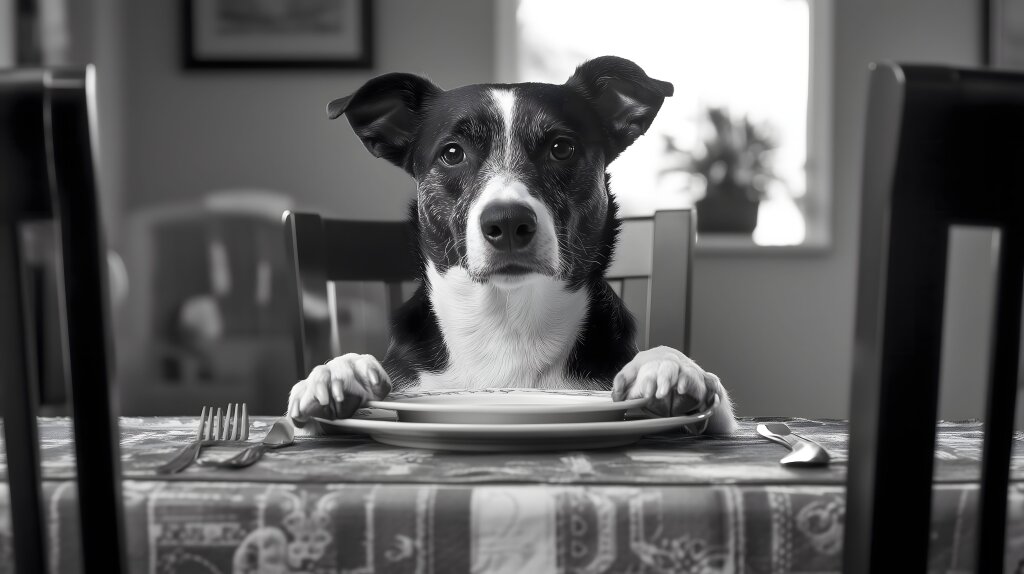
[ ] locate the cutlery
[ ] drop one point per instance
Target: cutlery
(213, 428)
(281, 433)
(805, 452)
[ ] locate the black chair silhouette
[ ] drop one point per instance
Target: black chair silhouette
(47, 121)
(943, 147)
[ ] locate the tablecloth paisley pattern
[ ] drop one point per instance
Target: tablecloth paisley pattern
(346, 504)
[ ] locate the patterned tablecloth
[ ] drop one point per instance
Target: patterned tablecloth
(670, 503)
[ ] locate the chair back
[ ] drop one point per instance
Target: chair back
(651, 272)
(942, 148)
(323, 251)
(47, 126)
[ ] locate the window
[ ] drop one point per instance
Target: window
(744, 138)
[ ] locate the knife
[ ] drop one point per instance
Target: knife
(805, 452)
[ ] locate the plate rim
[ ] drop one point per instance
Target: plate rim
(508, 409)
(371, 426)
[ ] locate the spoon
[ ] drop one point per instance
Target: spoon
(805, 452)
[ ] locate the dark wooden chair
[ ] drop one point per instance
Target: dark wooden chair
(655, 287)
(47, 122)
(943, 147)
(322, 251)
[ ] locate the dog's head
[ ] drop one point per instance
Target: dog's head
(511, 178)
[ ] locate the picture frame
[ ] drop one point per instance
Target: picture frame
(277, 34)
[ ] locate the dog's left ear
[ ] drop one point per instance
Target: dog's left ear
(624, 97)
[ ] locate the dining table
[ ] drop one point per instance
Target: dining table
(672, 502)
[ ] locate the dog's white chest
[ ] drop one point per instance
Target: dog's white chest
(504, 338)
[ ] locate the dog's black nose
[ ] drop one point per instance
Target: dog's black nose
(508, 226)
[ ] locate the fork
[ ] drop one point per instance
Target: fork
(213, 428)
(281, 433)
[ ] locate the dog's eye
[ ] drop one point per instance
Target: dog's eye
(452, 154)
(562, 149)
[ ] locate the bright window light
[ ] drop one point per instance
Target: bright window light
(750, 58)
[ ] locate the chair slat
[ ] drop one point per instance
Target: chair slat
(334, 348)
(18, 409)
(23, 156)
(674, 238)
(83, 273)
(1002, 400)
(632, 254)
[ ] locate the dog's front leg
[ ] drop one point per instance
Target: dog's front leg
(676, 385)
(338, 388)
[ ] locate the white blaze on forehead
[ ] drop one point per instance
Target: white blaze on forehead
(505, 103)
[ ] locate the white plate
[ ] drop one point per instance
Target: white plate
(506, 406)
(513, 437)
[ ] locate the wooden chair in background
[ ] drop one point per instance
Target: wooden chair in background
(323, 251)
(651, 272)
(47, 126)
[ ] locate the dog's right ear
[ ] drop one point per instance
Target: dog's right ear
(386, 113)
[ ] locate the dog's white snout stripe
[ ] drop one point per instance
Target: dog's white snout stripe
(500, 189)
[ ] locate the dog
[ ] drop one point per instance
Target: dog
(516, 227)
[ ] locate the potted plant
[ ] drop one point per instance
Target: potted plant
(735, 166)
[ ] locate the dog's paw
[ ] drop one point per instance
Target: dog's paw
(339, 388)
(676, 385)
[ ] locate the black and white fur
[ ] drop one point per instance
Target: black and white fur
(516, 228)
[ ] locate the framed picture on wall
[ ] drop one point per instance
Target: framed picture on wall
(277, 33)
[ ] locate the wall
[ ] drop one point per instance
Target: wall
(271, 126)
(778, 328)
(189, 132)
(7, 28)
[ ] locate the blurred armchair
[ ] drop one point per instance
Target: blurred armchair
(206, 320)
